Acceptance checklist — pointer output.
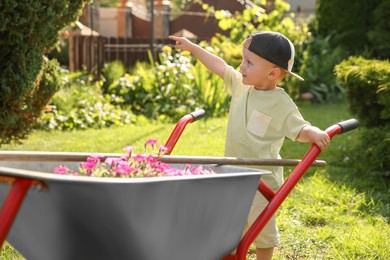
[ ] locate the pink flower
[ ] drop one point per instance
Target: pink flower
(150, 159)
(162, 149)
(151, 142)
(88, 165)
(125, 157)
(139, 158)
(197, 170)
(129, 149)
(161, 167)
(95, 158)
(61, 170)
(111, 161)
(131, 166)
(124, 168)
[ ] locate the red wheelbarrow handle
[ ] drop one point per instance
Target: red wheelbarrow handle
(179, 128)
(276, 199)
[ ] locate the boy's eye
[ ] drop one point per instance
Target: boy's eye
(248, 62)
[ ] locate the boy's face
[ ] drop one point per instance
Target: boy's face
(257, 71)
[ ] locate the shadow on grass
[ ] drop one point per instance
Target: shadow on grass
(375, 186)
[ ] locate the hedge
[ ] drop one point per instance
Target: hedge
(28, 31)
(367, 84)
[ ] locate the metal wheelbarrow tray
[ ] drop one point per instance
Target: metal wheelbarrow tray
(76, 217)
(188, 217)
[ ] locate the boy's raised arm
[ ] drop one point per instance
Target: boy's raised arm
(214, 63)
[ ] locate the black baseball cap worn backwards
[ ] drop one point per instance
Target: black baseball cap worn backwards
(275, 48)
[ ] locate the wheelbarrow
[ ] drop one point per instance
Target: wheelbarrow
(181, 217)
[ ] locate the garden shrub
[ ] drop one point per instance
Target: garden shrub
(48, 82)
(210, 92)
(61, 52)
(28, 30)
(80, 104)
(172, 87)
(367, 84)
(131, 89)
(379, 35)
(318, 62)
(175, 85)
(164, 90)
(112, 72)
(348, 28)
(372, 151)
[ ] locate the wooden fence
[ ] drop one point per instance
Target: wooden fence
(92, 52)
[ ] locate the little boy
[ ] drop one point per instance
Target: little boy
(261, 114)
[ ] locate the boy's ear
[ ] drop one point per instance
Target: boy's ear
(275, 73)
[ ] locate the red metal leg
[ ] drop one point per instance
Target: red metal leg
(11, 205)
(267, 192)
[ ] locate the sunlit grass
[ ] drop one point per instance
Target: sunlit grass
(333, 213)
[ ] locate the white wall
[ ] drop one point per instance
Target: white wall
(108, 22)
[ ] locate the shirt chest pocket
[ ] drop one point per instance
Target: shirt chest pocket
(258, 123)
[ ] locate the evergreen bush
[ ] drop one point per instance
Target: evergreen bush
(28, 31)
(367, 84)
(368, 92)
(348, 22)
(379, 35)
(372, 151)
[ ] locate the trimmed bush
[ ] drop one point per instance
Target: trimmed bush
(28, 31)
(367, 84)
(372, 151)
(368, 91)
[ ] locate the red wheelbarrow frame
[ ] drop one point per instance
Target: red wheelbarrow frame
(20, 186)
(276, 199)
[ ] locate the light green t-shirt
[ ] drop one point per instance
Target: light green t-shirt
(259, 121)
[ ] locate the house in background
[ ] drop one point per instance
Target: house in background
(303, 7)
(135, 27)
(133, 18)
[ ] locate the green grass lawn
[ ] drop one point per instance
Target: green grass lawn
(333, 213)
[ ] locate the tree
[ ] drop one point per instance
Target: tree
(28, 31)
(349, 22)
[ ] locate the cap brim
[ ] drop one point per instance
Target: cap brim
(295, 75)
